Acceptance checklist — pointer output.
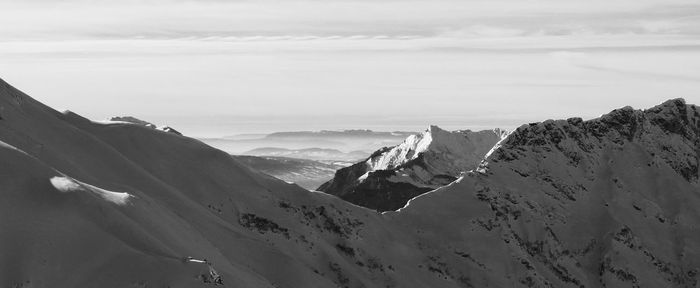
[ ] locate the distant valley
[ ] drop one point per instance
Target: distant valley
(346, 141)
(322, 154)
(309, 174)
(306, 158)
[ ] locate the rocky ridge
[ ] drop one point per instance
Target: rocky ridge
(393, 175)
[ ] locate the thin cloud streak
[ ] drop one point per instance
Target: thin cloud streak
(178, 19)
(343, 44)
(643, 74)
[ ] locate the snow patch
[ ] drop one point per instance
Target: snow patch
(193, 260)
(484, 165)
(64, 184)
(363, 177)
(108, 122)
(426, 194)
(67, 184)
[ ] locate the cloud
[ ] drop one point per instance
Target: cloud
(651, 75)
(159, 19)
(480, 30)
(650, 71)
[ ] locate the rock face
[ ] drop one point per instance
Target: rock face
(610, 202)
(394, 175)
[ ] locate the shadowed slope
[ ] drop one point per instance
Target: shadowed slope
(609, 202)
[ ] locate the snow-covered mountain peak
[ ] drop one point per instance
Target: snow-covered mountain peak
(435, 140)
(421, 163)
(408, 150)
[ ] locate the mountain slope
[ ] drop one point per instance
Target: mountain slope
(185, 200)
(609, 202)
(175, 213)
(392, 176)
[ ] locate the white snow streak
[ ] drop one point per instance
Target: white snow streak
(67, 184)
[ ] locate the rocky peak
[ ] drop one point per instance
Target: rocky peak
(669, 131)
(676, 117)
(672, 116)
(437, 142)
(392, 176)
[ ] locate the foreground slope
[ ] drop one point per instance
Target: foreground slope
(392, 176)
(609, 202)
(188, 200)
(88, 204)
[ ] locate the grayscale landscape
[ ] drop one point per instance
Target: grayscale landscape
(349, 144)
(609, 201)
(308, 174)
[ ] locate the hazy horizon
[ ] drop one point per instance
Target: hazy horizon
(350, 64)
(216, 126)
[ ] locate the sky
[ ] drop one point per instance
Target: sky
(225, 67)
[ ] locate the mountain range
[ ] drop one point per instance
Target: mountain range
(308, 174)
(608, 202)
(345, 140)
(393, 175)
(322, 154)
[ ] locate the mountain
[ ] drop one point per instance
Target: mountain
(392, 176)
(308, 153)
(609, 202)
(346, 140)
(308, 174)
(136, 121)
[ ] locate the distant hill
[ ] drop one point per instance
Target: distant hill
(308, 153)
(305, 173)
(346, 140)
